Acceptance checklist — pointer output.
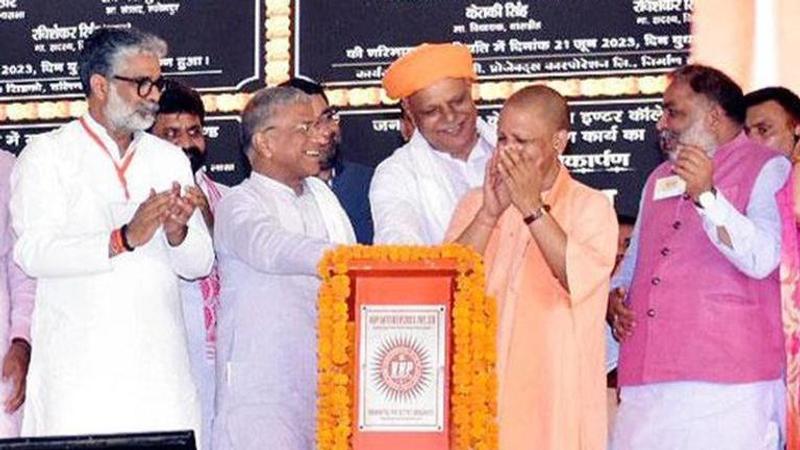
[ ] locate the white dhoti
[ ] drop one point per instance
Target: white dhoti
(701, 416)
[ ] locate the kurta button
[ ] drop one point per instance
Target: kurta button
(655, 281)
(651, 312)
(665, 251)
(676, 224)
(686, 196)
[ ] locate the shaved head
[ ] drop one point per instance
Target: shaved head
(535, 122)
(545, 103)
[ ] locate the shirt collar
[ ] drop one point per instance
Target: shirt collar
(738, 141)
(274, 185)
(487, 139)
(102, 134)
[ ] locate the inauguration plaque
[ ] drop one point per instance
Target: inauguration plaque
(401, 382)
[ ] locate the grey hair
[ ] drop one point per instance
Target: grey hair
(105, 48)
(265, 105)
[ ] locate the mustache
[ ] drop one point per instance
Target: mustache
(149, 108)
(193, 151)
(197, 158)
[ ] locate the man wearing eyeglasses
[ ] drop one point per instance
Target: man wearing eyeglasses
(348, 180)
(270, 233)
(180, 119)
(106, 228)
(415, 191)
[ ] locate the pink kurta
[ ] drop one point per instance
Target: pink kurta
(551, 366)
(16, 295)
(790, 306)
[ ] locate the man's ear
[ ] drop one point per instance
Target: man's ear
(560, 141)
(715, 116)
(99, 85)
(262, 145)
(407, 109)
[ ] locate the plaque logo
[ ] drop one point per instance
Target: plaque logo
(401, 369)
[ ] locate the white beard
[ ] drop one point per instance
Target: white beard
(696, 135)
(125, 117)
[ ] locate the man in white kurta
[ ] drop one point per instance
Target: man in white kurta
(104, 228)
(270, 233)
(415, 191)
(180, 119)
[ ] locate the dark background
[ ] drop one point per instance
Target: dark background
(227, 40)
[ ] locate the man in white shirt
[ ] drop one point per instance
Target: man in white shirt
(348, 180)
(180, 119)
(105, 228)
(415, 191)
(270, 233)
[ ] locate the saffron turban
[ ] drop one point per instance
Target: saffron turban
(426, 65)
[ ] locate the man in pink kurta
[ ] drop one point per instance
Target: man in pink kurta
(16, 305)
(548, 261)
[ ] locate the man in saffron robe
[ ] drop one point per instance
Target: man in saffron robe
(549, 243)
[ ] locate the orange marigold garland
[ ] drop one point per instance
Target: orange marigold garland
(474, 383)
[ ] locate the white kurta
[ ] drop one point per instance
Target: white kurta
(269, 241)
(110, 344)
(415, 191)
(192, 299)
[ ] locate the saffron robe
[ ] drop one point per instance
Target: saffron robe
(551, 342)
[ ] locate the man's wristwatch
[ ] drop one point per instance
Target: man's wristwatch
(707, 198)
(536, 214)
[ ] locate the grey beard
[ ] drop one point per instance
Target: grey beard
(123, 117)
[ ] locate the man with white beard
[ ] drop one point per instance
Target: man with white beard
(106, 228)
(701, 359)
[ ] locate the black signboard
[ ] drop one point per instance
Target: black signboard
(352, 43)
(225, 163)
(215, 46)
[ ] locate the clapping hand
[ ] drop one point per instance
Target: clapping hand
(179, 211)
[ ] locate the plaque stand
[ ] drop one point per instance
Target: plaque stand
(410, 294)
(406, 355)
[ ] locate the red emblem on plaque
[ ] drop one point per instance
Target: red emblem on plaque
(401, 368)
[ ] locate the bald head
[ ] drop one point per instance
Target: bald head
(545, 103)
(535, 123)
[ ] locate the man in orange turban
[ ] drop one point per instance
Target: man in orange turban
(415, 191)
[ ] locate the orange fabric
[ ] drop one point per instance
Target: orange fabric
(426, 65)
(551, 343)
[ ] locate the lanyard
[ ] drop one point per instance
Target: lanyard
(126, 161)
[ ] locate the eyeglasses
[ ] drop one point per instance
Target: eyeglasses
(329, 116)
(145, 85)
(304, 128)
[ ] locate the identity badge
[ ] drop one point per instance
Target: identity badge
(667, 187)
